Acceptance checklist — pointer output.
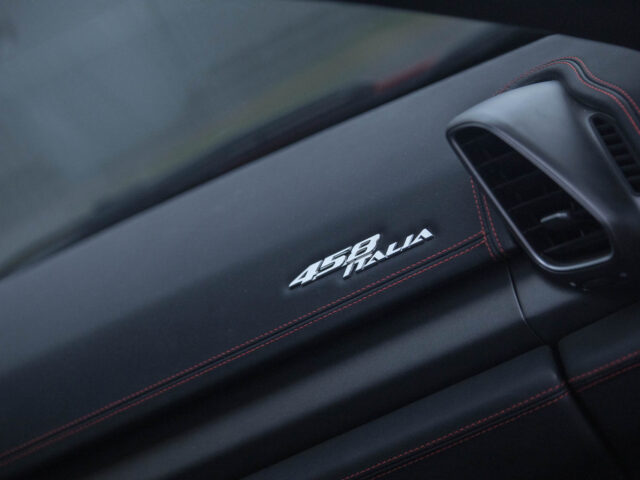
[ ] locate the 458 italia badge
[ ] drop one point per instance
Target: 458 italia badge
(358, 257)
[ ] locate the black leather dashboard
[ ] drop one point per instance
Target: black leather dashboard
(174, 347)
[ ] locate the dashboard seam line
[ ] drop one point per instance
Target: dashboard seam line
(589, 85)
(493, 228)
(547, 391)
(482, 227)
(59, 433)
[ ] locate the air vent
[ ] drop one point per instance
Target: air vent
(619, 150)
(556, 227)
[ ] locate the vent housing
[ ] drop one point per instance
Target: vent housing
(619, 150)
(552, 223)
(539, 152)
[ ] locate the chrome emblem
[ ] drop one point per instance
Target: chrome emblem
(358, 257)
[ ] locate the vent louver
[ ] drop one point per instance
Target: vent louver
(556, 227)
(619, 150)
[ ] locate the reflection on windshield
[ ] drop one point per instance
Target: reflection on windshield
(100, 97)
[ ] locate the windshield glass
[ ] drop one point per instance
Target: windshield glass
(99, 99)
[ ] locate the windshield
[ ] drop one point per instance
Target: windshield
(102, 101)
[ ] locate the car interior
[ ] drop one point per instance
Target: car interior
(344, 240)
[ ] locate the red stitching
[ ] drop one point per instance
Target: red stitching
(609, 377)
(455, 432)
(233, 349)
(575, 70)
(482, 229)
(523, 76)
(501, 412)
(493, 228)
(620, 90)
(211, 368)
(482, 432)
(605, 366)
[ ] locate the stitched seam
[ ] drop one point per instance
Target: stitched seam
(233, 349)
(475, 435)
(573, 379)
(523, 76)
(508, 409)
(493, 228)
(456, 432)
(575, 70)
(213, 367)
(608, 377)
(605, 366)
(482, 229)
(620, 90)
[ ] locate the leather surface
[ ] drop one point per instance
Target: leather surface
(188, 297)
(478, 428)
(554, 310)
(329, 386)
(602, 361)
